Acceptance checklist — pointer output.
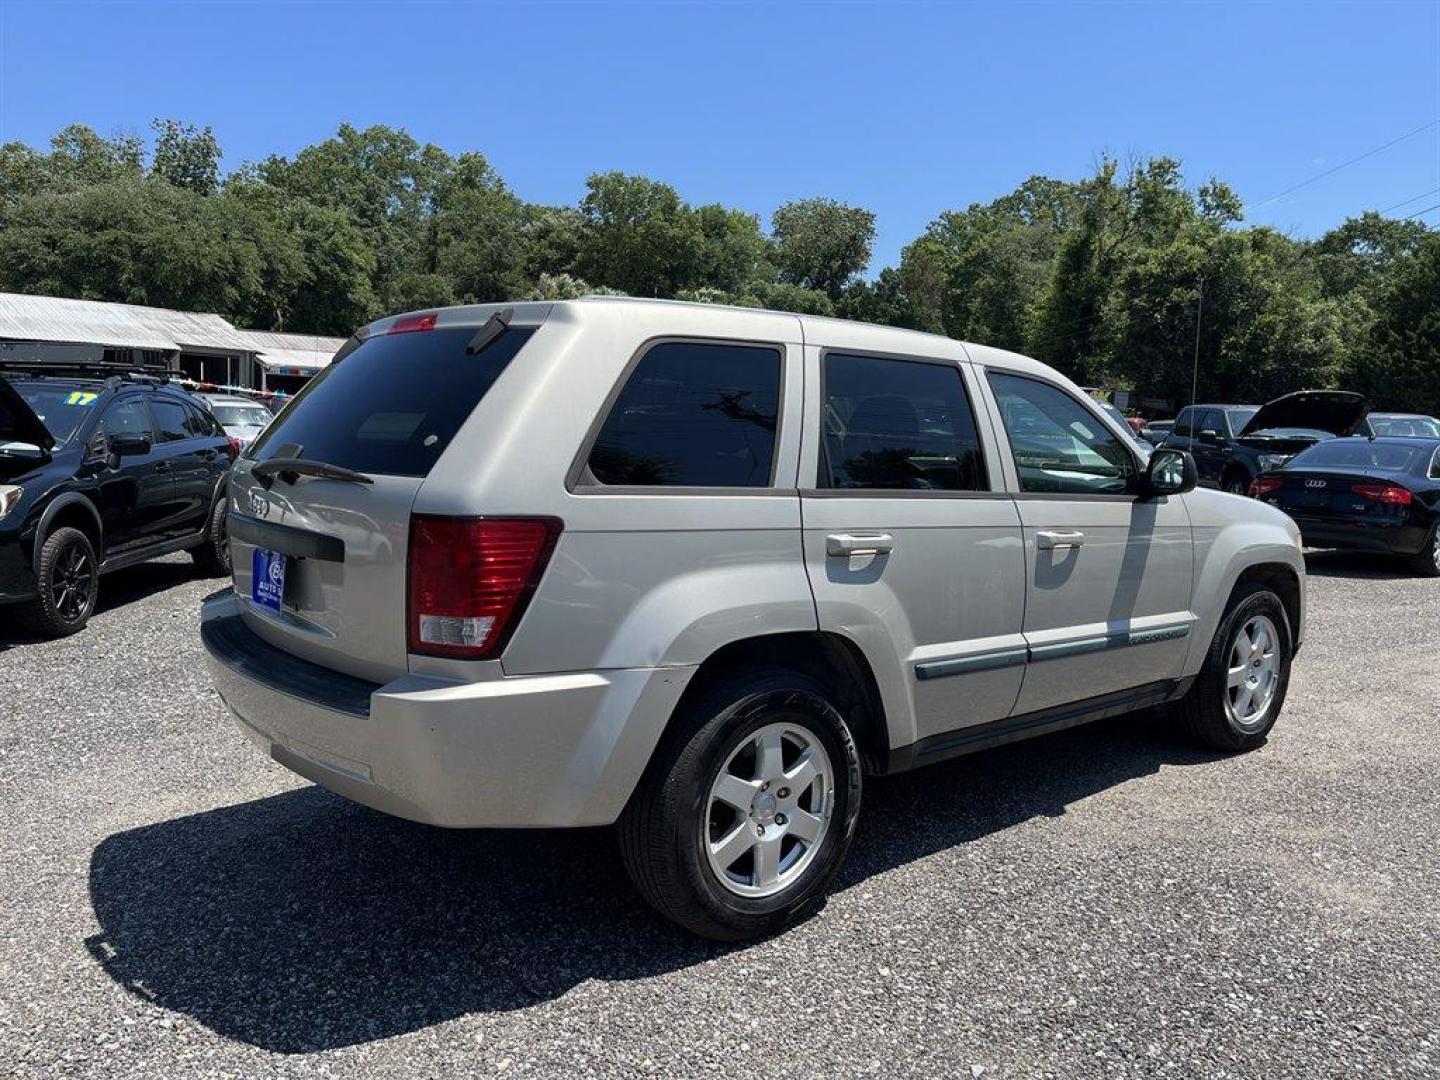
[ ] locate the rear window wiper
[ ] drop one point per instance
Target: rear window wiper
(291, 468)
(492, 329)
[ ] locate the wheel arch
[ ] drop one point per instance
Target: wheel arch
(828, 658)
(76, 511)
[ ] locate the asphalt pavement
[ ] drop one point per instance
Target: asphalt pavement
(1104, 902)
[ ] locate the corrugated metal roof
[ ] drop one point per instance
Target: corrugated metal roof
(49, 318)
(53, 318)
(301, 351)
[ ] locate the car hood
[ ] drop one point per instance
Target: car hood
(18, 422)
(1335, 411)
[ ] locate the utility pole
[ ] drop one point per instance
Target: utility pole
(1195, 364)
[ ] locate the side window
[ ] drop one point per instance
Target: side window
(125, 417)
(899, 424)
(1059, 445)
(1212, 423)
(170, 419)
(693, 414)
(1184, 423)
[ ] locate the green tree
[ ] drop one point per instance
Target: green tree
(186, 156)
(641, 239)
(822, 244)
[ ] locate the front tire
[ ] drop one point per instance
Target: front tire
(1241, 688)
(67, 577)
(745, 815)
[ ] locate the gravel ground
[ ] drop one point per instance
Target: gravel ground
(1103, 902)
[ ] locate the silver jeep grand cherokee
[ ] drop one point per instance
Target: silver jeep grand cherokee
(698, 570)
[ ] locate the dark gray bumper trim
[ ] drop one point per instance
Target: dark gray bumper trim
(239, 648)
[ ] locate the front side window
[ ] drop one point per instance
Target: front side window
(904, 425)
(1184, 424)
(1059, 445)
(1212, 424)
(170, 419)
(693, 414)
(127, 418)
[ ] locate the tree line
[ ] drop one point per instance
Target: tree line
(1102, 277)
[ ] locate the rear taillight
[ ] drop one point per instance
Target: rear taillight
(411, 324)
(1263, 485)
(1390, 494)
(470, 579)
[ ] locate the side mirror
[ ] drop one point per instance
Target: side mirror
(1170, 472)
(129, 444)
(1210, 438)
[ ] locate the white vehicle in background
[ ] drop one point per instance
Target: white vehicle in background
(242, 418)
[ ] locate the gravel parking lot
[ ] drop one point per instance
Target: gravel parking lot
(1103, 902)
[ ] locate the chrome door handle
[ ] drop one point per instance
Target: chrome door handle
(1053, 540)
(859, 544)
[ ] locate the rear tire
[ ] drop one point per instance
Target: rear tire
(1427, 562)
(1236, 484)
(730, 873)
(1238, 695)
(212, 557)
(67, 578)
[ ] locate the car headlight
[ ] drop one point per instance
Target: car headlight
(1273, 461)
(9, 497)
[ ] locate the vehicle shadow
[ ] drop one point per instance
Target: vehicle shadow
(1356, 564)
(116, 590)
(301, 922)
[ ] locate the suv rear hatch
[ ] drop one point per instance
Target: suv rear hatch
(330, 484)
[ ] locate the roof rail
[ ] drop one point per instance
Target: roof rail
(154, 374)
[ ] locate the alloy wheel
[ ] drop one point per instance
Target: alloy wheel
(71, 582)
(1253, 673)
(769, 810)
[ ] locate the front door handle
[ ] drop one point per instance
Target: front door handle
(1054, 539)
(162, 466)
(846, 544)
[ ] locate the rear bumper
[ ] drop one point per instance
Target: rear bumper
(1388, 539)
(549, 750)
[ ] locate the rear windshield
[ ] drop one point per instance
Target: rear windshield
(1361, 454)
(1411, 427)
(241, 414)
(392, 405)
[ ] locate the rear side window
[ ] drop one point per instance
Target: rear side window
(171, 420)
(393, 404)
(899, 424)
(1184, 423)
(693, 414)
(1059, 445)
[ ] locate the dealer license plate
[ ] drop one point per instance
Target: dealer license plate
(267, 580)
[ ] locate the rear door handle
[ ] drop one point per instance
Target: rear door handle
(162, 466)
(837, 544)
(1054, 539)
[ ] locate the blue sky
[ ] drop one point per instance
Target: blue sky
(905, 109)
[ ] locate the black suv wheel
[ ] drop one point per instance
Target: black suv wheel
(67, 577)
(213, 556)
(748, 810)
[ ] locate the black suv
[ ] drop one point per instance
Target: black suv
(1233, 444)
(101, 468)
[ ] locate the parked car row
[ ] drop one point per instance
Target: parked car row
(103, 467)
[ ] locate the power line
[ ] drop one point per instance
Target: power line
(1413, 198)
(1347, 164)
(1417, 213)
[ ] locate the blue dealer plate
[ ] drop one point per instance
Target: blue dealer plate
(267, 580)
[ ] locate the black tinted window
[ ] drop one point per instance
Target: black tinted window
(1184, 423)
(1059, 445)
(127, 417)
(393, 404)
(1211, 423)
(171, 419)
(693, 415)
(899, 424)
